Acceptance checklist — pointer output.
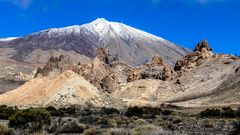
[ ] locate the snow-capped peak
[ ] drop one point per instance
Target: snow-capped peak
(7, 39)
(102, 28)
(100, 20)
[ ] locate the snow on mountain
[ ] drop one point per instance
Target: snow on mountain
(7, 39)
(131, 45)
(101, 27)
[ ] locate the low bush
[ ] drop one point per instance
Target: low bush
(134, 111)
(236, 130)
(54, 112)
(4, 130)
(92, 119)
(140, 122)
(238, 112)
(208, 124)
(110, 111)
(71, 127)
(211, 113)
(35, 118)
(6, 112)
(92, 131)
(112, 122)
(69, 110)
(116, 131)
(167, 112)
(147, 112)
(150, 130)
(228, 112)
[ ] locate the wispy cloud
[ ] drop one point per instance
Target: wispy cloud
(205, 1)
(24, 4)
(190, 1)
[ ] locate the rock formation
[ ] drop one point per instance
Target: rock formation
(201, 78)
(200, 54)
(155, 69)
(57, 64)
(105, 72)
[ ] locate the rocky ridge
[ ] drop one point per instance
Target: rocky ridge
(201, 78)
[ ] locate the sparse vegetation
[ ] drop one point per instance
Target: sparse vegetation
(228, 112)
(6, 112)
(31, 118)
(91, 120)
(5, 130)
(134, 111)
(71, 127)
(236, 128)
(211, 113)
(54, 112)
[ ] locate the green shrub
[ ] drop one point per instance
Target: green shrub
(167, 112)
(71, 127)
(236, 130)
(116, 131)
(208, 124)
(134, 111)
(112, 122)
(6, 112)
(110, 111)
(4, 130)
(210, 113)
(69, 110)
(36, 118)
(145, 112)
(151, 110)
(150, 130)
(92, 131)
(177, 120)
(92, 119)
(54, 112)
(228, 112)
(238, 112)
(140, 122)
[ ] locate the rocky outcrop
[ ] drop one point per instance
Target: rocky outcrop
(200, 54)
(155, 69)
(104, 55)
(57, 64)
(105, 72)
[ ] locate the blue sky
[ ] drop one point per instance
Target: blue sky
(184, 22)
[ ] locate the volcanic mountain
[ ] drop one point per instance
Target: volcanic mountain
(199, 79)
(19, 57)
(130, 45)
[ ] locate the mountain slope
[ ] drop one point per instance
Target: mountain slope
(131, 45)
(66, 89)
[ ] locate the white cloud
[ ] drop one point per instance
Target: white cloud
(190, 1)
(24, 4)
(206, 1)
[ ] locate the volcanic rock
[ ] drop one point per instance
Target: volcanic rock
(200, 54)
(155, 69)
(57, 64)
